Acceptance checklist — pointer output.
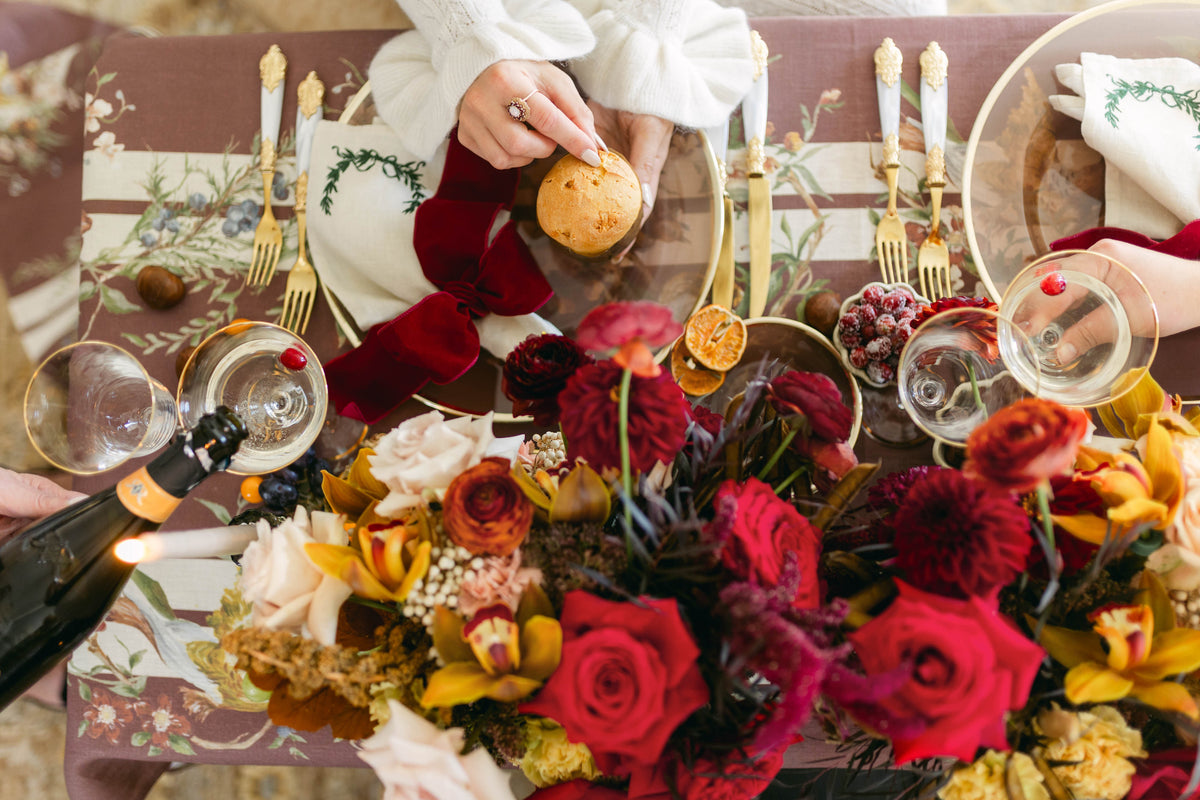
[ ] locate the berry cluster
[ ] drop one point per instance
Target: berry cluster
(282, 490)
(874, 330)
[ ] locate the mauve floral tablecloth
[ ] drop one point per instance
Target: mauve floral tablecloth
(169, 172)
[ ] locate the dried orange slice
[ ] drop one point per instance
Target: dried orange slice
(693, 380)
(716, 337)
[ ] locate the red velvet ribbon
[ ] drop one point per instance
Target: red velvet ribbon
(435, 340)
(1185, 244)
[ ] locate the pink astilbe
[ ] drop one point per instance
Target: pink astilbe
(795, 651)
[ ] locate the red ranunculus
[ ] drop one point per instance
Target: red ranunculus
(537, 370)
(627, 679)
(658, 417)
(708, 420)
(818, 398)
(970, 666)
(955, 536)
(485, 510)
(759, 532)
(613, 324)
(1024, 444)
(578, 789)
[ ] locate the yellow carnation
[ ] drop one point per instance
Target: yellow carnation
(1100, 767)
(551, 758)
(984, 779)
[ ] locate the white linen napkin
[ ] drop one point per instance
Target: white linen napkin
(1143, 117)
(363, 246)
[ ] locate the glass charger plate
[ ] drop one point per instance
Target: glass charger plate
(672, 261)
(1029, 178)
(790, 345)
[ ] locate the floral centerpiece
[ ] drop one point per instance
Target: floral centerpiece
(656, 600)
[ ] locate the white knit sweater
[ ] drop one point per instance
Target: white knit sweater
(688, 61)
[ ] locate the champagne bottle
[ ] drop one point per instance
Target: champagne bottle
(59, 576)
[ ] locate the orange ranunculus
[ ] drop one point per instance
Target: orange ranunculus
(1024, 444)
(485, 510)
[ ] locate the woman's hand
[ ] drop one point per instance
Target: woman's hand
(25, 497)
(641, 138)
(557, 114)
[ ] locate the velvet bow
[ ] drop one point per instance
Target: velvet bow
(1185, 244)
(436, 340)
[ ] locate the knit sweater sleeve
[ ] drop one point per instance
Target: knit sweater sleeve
(419, 77)
(689, 61)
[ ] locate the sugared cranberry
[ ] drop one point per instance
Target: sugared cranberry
(1054, 284)
(293, 358)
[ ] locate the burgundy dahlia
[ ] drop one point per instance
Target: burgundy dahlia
(947, 303)
(537, 370)
(658, 417)
(890, 490)
(816, 397)
(956, 537)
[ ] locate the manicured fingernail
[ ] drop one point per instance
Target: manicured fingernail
(1066, 353)
(647, 198)
(591, 158)
(601, 144)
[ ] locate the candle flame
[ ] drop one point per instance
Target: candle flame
(131, 551)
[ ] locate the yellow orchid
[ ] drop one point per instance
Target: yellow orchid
(1130, 652)
(496, 654)
(389, 559)
(356, 494)
(1133, 492)
(582, 496)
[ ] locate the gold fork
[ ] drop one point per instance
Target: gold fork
(933, 258)
(301, 288)
(268, 237)
(891, 240)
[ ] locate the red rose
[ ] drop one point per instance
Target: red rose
(537, 370)
(969, 666)
(757, 533)
(1164, 775)
(1024, 444)
(578, 789)
(817, 398)
(705, 779)
(658, 417)
(485, 510)
(627, 679)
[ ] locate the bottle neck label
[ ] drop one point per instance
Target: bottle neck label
(139, 493)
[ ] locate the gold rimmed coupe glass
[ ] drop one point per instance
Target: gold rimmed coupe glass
(91, 406)
(1092, 322)
(953, 373)
(271, 379)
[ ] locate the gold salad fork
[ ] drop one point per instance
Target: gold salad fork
(301, 288)
(891, 241)
(268, 237)
(933, 258)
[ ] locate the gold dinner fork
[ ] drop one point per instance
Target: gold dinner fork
(891, 240)
(268, 237)
(301, 289)
(933, 258)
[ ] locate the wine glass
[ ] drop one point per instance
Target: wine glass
(91, 406)
(1093, 325)
(271, 379)
(954, 374)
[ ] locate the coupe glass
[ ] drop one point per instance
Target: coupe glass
(91, 406)
(271, 379)
(953, 372)
(1093, 325)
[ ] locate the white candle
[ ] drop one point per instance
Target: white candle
(200, 543)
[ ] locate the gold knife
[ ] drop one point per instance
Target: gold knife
(722, 284)
(754, 117)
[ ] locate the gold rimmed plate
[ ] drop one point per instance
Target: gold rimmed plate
(671, 262)
(1029, 178)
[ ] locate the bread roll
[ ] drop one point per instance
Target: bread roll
(589, 210)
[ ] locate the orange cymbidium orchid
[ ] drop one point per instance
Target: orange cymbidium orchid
(356, 494)
(495, 655)
(1134, 493)
(389, 559)
(1130, 652)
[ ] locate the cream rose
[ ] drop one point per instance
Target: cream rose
(426, 452)
(286, 589)
(414, 760)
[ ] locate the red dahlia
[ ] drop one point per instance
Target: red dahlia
(537, 370)
(658, 417)
(956, 537)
